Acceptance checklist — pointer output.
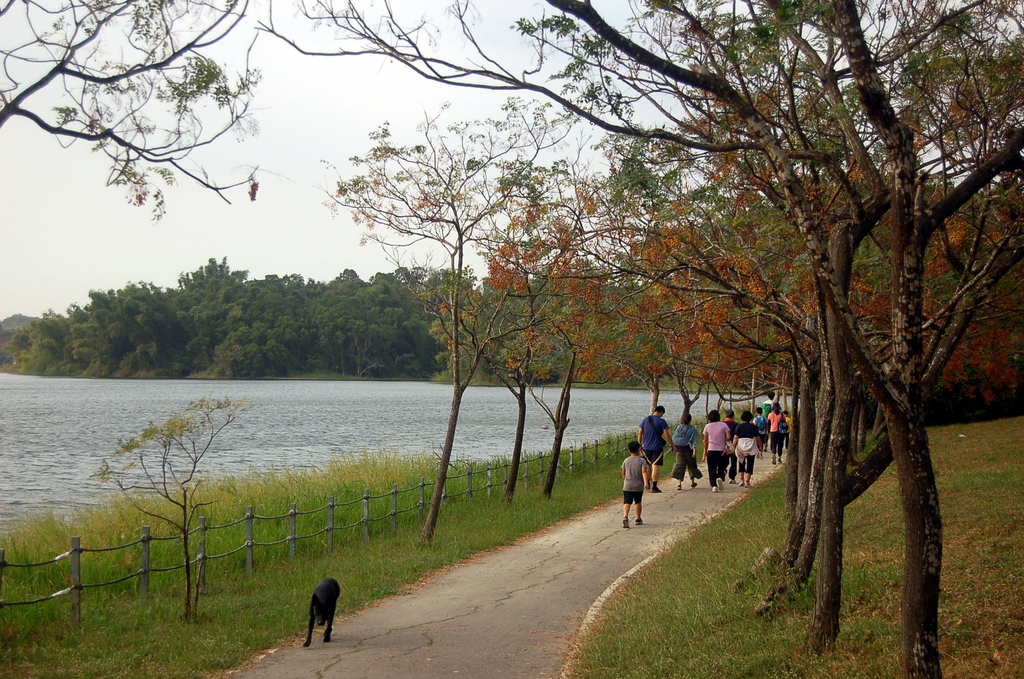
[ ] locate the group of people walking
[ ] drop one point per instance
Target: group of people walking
(730, 449)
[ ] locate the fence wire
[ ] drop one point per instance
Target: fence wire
(250, 520)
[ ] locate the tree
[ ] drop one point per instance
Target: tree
(868, 128)
(219, 323)
(446, 191)
(165, 460)
(135, 79)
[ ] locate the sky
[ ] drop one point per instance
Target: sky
(63, 232)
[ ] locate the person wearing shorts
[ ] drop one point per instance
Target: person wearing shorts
(653, 436)
(636, 476)
(746, 432)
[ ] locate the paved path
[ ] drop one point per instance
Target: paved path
(508, 614)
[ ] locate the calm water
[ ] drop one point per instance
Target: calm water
(54, 432)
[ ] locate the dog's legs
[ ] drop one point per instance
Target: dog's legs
(330, 620)
(312, 619)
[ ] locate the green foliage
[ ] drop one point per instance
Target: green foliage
(202, 77)
(218, 323)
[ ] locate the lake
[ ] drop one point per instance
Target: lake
(54, 431)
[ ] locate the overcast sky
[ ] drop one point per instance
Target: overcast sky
(64, 233)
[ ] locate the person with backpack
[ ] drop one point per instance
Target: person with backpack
(748, 444)
(653, 436)
(785, 426)
(762, 428)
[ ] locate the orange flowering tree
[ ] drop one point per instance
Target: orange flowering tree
(449, 191)
(867, 131)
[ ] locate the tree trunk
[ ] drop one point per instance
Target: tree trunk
(561, 423)
(793, 453)
(517, 448)
(825, 417)
(868, 471)
(189, 611)
(922, 553)
(684, 392)
(427, 534)
(803, 519)
(655, 387)
(824, 624)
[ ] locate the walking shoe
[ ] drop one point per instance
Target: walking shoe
(655, 489)
(693, 483)
(625, 522)
(733, 481)
(773, 459)
(639, 522)
(714, 489)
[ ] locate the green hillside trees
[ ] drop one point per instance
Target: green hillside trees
(218, 323)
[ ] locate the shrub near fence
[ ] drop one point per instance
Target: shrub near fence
(241, 543)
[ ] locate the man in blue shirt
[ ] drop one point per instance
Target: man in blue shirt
(654, 436)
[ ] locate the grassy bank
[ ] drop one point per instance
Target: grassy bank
(240, 614)
(700, 597)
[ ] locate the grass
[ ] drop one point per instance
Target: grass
(696, 603)
(240, 615)
(699, 598)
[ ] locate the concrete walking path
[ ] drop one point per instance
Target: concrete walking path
(507, 614)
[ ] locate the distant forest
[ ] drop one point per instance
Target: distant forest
(218, 323)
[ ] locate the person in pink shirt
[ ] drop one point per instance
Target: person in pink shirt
(716, 435)
(775, 417)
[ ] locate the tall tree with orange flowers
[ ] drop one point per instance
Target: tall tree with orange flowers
(868, 129)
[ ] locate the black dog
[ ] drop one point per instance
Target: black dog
(321, 608)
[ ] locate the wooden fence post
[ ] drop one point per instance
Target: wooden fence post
(330, 524)
(76, 582)
(421, 503)
(248, 540)
(489, 470)
(144, 566)
(291, 532)
(366, 514)
(469, 483)
(394, 508)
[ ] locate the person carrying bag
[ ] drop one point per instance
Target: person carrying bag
(684, 442)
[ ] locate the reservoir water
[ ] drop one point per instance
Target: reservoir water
(54, 432)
